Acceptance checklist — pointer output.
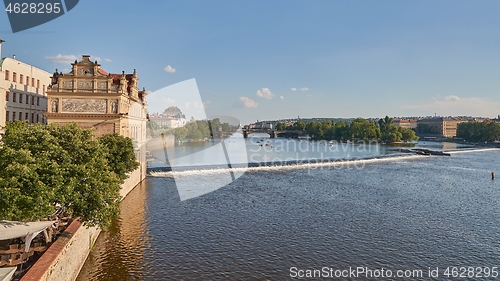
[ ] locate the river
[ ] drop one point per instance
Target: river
(400, 214)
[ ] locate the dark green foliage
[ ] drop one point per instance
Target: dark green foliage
(478, 132)
(41, 166)
(362, 129)
(199, 129)
(408, 135)
(121, 157)
(281, 126)
(392, 133)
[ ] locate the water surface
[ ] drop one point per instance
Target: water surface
(403, 213)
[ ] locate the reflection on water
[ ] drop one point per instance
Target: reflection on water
(408, 213)
(119, 250)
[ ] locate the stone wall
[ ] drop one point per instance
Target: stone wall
(66, 256)
(134, 179)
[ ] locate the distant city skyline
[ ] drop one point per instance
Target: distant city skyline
(266, 60)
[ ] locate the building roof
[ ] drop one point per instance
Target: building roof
(161, 118)
(19, 63)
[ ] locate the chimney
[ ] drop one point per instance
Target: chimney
(1, 41)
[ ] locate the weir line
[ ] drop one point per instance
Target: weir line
(275, 166)
(471, 150)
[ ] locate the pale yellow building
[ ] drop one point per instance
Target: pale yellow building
(406, 123)
(23, 88)
(107, 103)
(442, 126)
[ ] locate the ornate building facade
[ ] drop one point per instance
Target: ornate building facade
(107, 103)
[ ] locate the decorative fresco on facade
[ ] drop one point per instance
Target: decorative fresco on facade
(84, 105)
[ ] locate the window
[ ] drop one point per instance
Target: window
(32, 82)
(7, 74)
(32, 100)
(27, 80)
(27, 99)
(37, 83)
(26, 116)
(7, 116)
(21, 78)
(21, 98)
(37, 102)
(43, 91)
(37, 120)
(32, 117)
(20, 116)
(14, 116)
(14, 77)
(7, 96)
(14, 97)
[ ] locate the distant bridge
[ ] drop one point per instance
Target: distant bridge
(272, 133)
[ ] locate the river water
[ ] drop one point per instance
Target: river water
(403, 214)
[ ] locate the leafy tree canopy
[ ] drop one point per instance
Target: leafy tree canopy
(478, 131)
(41, 166)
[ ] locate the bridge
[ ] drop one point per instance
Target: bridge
(272, 133)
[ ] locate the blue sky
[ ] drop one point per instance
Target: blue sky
(281, 59)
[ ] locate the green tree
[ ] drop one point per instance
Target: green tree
(121, 157)
(281, 126)
(392, 134)
(41, 166)
(314, 130)
(299, 126)
(226, 127)
(363, 129)
(478, 131)
(181, 133)
(385, 123)
(342, 131)
(408, 135)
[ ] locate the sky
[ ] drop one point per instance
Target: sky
(268, 60)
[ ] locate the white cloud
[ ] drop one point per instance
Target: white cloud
(293, 89)
(282, 97)
(452, 98)
(62, 59)
(247, 102)
(168, 101)
(206, 103)
(69, 59)
(456, 106)
(265, 93)
(304, 89)
(195, 104)
(170, 69)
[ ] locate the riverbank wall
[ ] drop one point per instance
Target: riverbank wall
(64, 259)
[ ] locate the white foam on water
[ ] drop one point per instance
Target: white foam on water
(472, 150)
(311, 165)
